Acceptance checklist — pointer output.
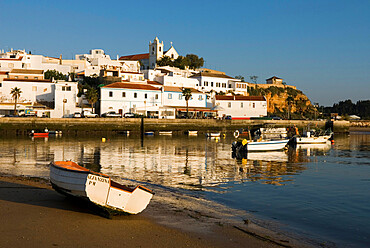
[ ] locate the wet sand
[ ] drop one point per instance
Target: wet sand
(34, 215)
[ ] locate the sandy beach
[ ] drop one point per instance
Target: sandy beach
(34, 215)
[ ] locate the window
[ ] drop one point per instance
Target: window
(211, 84)
(36, 78)
(135, 95)
(180, 97)
(169, 96)
(123, 94)
(145, 95)
(110, 93)
(229, 85)
(200, 84)
(224, 85)
(254, 105)
(156, 96)
(25, 77)
(241, 105)
(1, 84)
(229, 105)
(160, 48)
(205, 83)
(172, 56)
(200, 97)
(68, 88)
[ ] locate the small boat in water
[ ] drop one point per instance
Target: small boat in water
(267, 145)
(192, 133)
(149, 133)
(213, 135)
(312, 138)
(165, 132)
(40, 135)
(69, 178)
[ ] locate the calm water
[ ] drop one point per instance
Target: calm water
(319, 191)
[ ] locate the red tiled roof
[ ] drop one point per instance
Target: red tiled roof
(154, 83)
(135, 57)
(27, 71)
(240, 98)
(210, 74)
(20, 58)
(131, 86)
(27, 80)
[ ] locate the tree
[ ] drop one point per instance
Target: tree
(194, 61)
(186, 92)
(240, 77)
(253, 79)
(92, 97)
(54, 74)
(165, 61)
(16, 93)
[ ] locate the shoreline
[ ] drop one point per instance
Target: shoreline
(171, 219)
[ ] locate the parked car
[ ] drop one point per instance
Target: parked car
(27, 113)
(89, 114)
(77, 115)
(111, 114)
(228, 117)
(129, 115)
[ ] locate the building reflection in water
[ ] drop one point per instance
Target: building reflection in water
(186, 162)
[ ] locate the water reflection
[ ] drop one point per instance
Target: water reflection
(184, 162)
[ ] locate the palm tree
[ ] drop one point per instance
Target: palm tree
(16, 93)
(92, 97)
(186, 92)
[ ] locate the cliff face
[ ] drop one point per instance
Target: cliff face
(279, 103)
(282, 99)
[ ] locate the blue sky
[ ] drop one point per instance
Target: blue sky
(322, 47)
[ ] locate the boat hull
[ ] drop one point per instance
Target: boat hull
(313, 140)
(70, 179)
(271, 145)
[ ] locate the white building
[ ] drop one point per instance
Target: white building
(217, 82)
(54, 99)
(124, 97)
(240, 107)
(97, 60)
(19, 59)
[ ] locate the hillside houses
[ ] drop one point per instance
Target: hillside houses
(127, 84)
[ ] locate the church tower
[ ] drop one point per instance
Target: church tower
(155, 52)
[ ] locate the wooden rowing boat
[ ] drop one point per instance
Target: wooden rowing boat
(69, 178)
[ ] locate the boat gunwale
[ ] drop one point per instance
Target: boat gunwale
(86, 171)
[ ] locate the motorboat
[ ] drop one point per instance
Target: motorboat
(310, 137)
(71, 179)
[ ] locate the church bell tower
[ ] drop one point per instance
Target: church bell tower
(155, 52)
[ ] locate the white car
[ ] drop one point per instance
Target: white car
(89, 114)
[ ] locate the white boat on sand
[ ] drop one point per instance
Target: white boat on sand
(69, 178)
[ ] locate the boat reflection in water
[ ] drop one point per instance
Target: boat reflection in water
(183, 162)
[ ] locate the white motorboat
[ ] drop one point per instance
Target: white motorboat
(192, 133)
(69, 178)
(266, 145)
(308, 138)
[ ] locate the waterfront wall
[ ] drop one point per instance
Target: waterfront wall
(81, 125)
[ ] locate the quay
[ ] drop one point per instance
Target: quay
(80, 126)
